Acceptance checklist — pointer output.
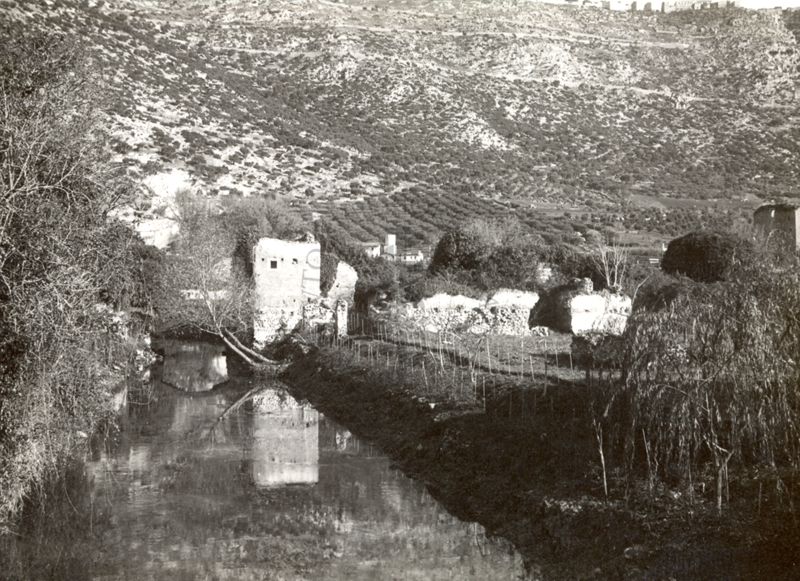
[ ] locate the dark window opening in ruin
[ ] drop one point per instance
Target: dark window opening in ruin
(273, 264)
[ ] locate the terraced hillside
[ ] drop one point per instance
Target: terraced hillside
(528, 106)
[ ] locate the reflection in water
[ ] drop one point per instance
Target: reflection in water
(179, 495)
(194, 366)
(285, 444)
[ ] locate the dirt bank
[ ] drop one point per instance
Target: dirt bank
(533, 477)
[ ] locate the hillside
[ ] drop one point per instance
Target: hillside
(448, 108)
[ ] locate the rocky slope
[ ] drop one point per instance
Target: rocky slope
(520, 103)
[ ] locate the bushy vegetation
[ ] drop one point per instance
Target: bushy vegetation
(489, 255)
(705, 256)
(710, 381)
(482, 256)
(63, 263)
(378, 279)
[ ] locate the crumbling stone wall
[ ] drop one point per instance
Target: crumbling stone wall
(344, 284)
(270, 323)
(507, 312)
(579, 310)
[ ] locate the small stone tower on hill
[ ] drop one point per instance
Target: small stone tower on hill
(783, 219)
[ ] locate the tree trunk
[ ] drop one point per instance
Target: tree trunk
(236, 350)
(246, 349)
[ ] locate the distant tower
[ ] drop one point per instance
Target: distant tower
(390, 247)
(783, 219)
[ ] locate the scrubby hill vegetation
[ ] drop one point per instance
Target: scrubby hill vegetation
(433, 104)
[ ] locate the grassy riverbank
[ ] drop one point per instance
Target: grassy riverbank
(527, 468)
(45, 432)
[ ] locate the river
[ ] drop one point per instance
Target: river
(186, 487)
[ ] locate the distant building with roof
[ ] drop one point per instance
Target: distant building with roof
(371, 249)
(389, 251)
(410, 256)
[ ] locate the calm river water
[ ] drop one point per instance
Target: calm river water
(273, 490)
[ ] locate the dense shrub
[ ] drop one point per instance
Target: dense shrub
(59, 257)
(704, 256)
(511, 267)
(377, 278)
(459, 250)
(660, 290)
(570, 263)
(488, 255)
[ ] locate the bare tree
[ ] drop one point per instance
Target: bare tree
(611, 259)
(200, 288)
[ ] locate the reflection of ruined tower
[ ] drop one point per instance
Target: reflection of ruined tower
(189, 412)
(285, 447)
(780, 219)
(390, 248)
(340, 318)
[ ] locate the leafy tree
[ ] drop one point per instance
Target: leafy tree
(511, 267)
(459, 249)
(253, 218)
(570, 263)
(489, 255)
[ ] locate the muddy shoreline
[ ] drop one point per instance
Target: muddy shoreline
(534, 482)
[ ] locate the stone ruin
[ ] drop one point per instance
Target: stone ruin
(344, 284)
(580, 310)
(577, 309)
(287, 289)
(506, 312)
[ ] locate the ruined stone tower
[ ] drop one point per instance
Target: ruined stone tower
(779, 219)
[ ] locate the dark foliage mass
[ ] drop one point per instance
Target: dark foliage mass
(489, 255)
(704, 256)
(459, 250)
(659, 291)
(377, 278)
(482, 256)
(249, 219)
(64, 264)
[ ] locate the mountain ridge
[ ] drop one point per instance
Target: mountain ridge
(536, 105)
